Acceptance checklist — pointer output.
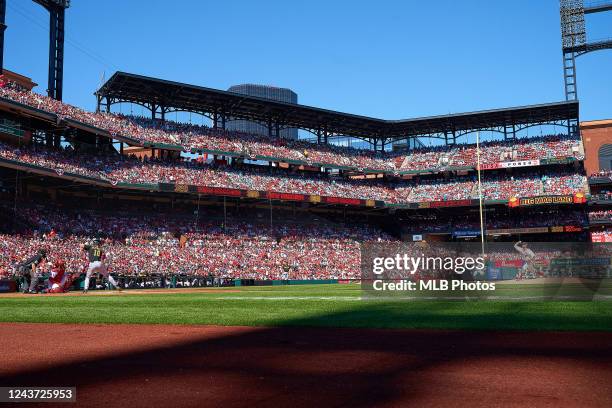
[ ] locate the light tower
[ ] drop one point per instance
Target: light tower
(56, 9)
(574, 39)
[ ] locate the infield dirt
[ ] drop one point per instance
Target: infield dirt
(195, 366)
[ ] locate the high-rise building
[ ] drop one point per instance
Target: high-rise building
(267, 92)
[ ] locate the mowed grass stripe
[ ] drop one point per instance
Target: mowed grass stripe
(310, 310)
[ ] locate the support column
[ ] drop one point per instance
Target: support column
(319, 136)
(509, 132)
(49, 138)
(56, 51)
(224, 213)
(572, 127)
(271, 220)
(569, 76)
(2, 28)
(270, 127)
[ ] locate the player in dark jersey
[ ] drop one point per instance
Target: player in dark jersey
(95, 255)
(31, 268)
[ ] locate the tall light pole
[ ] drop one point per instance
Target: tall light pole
(480, 200)
(56, 9)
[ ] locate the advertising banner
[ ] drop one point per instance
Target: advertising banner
(489, 166)
(286, 196)
(181, 188)
(578, 198)
(530, 230)
(466, 233)
(450, 203)
(509, 164)
(219, 191)
(521, 163)
(340, 200)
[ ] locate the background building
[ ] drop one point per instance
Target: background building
(597, 139)
(267, 92)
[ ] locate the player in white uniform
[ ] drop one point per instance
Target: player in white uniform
(94, 252)
(528, 256)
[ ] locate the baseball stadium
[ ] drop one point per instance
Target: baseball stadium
(178, 244)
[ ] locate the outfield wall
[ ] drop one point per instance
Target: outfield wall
(257, 282)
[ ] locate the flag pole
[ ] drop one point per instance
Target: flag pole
(482, 237)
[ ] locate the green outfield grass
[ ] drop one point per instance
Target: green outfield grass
(312, 305)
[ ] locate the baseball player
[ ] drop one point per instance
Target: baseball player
(31, 268)
(59, 280)
(95, 254)
(528, 255)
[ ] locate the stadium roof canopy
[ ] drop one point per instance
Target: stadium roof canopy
(162, 96)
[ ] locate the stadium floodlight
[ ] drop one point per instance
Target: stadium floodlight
(56, 9)
(61, 3)
(573, 31)
(574, 38)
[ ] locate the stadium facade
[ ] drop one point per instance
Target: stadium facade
(597, 138)
(192, 213)
(266, 92)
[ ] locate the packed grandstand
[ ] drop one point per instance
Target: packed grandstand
(297, 210)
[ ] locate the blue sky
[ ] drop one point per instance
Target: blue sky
(388, 59)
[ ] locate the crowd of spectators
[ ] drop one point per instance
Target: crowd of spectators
(191, 136)
(520, 149)
(602, 236)
(563, 184)
(601, 215)
(119, 168)
(444, 223)
(504, 187)
(60, 160)
(440, 190)
(115, 125)
(603, 195)
(602, 173)
(140, 245)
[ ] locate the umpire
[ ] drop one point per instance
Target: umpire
(30, 269)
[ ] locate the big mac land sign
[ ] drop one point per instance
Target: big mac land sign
(578, 198)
